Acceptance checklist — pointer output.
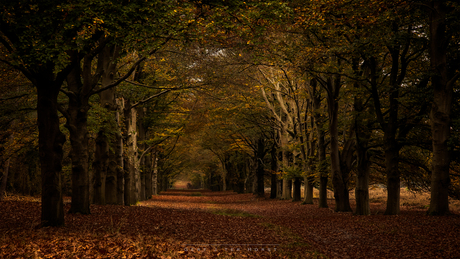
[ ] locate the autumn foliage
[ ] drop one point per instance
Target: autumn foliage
(226, 226)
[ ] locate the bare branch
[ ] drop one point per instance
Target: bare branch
(150, 98)
(14, 97)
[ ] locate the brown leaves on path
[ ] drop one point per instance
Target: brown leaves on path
(231, 226)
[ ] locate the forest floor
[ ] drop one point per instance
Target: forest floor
(228, 226)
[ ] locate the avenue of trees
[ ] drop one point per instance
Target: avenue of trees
(109, 102)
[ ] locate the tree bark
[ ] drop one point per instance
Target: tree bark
(260, 190)
(155, 173)
(50, 143)
(284, 141)
(142, 146)
(393, 175)
(100, 166)
(342, 202)
(297, 189)
(77, 121)
(119, 156)
(309, 178)
(389, 126)
(148, 175)
(308, 190)
(287, 183)
(120, 166)
(390, 143)
(362, 178)
(441, 108)
(279, 189)
(111, 178)
(274, 169)
(362, 184)
(319, 124)
(4, 178)
(132, 180)
(105, 175)
(363, 133)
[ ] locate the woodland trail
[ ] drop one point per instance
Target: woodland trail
(226, 226)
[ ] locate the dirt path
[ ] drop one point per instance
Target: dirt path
(309, 231)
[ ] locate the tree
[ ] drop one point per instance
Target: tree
(36, 49)
(444, 76)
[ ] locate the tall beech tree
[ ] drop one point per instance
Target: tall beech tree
(319, 120)
(339, 173)
(105, 161)
(278, 104)
(445, 75)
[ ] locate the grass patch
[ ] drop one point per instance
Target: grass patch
(295, 247)
(195, 194)
(233, 213)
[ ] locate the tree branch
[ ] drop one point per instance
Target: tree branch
(14, 97)
(131, 69)
(150, 98)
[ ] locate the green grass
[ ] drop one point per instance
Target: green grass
(195, 194)
(296, 247)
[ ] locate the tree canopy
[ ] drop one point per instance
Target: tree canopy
(231, 95)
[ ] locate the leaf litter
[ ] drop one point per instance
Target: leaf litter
(226, 226)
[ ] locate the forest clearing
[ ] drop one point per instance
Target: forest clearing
(230, 226)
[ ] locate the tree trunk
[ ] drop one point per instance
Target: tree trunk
(393, 176)
(100, 166)
(155, 173)
(441, 109)
(224, 179)
(362, 186)
(363, 167)
(273, 185)
(77, 120)
(340, 191)
(148, 170)
(309, 178)
(105, 156)
(297, 189)
(142, 146)
(323, 192)
(111, 178)
(119, 160)
(363, 133)
(308, 191)
(260, 190)
(4, 179)
(128, 190)
(322, 170)
(287, 184)
(80, 159)
(50, 144)
(248, 181)
(391, 144)
(342, 202)
(131, 172)
(284, 141)
(279, 189)
(274, 177)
